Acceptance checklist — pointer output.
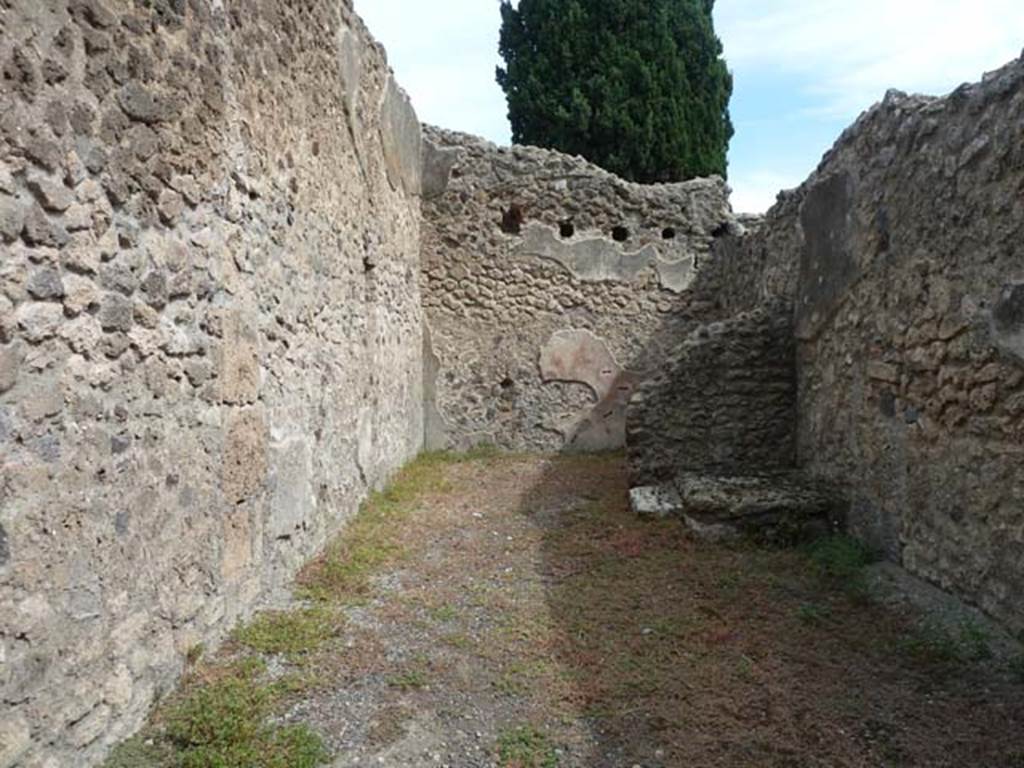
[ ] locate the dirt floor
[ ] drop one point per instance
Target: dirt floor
(523, 617)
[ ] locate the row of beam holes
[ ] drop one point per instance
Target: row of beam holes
(513, 219)
(619, 234)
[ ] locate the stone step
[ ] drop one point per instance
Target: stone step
(778, 506)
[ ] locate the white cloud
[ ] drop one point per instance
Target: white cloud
(756, 191)
(850, 53)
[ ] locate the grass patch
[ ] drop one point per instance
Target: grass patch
(409, 680)
(460, 641)
(522, 677)
(342, 574)
(841, 560)
(976, 641)
(813, 613)
(840, 557)
(194, 654)
(225, 724)
(525, 747)
(411, 676)
(482, 452)
(290, 633)
(935, 643)
(746, 668)
(141, 752)
(444, 613)
(223, 721)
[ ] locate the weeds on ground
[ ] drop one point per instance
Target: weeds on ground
(521, 677)
(142, 752)
(411, 678)
(841, 560)
(222, 717)
(746, 668)
(342, 574)
(840, 557)
(975, 640)
(291, 633)
(813, 613)
(526, 747)
(224, 721)
(444, 613)
(195, 653)
(460, 641)
(482, 452)
(935, 643)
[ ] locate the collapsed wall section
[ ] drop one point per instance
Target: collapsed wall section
(909, 246)
(210, 333)
(552, 288)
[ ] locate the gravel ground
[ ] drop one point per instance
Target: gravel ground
(533, 621)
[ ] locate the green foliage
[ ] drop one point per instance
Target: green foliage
(812, 613)
(344, 572)
(840, 557)
(223, 724)
(288, 632)
(409, 680)
(637, 86)
(526, 747)
(141, 752)
(224, 721)
(841, 560)
(935, 643)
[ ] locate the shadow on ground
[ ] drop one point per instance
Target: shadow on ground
(676, 653)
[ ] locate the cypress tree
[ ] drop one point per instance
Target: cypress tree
(638, 87)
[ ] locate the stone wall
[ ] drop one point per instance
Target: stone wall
(724, 401)
(210, 333)
(754, 265)
(552, 288)
(909, 239)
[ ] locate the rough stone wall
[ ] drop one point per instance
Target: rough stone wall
(724, 401)
(910, 322)
(210, 333)
(552, 288)
(753, 265)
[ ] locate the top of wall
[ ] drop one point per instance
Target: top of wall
(560, 208)
(572, 190)
(900, 118)
(526, 160)
(881, 187)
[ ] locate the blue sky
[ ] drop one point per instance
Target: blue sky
(804, 69)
